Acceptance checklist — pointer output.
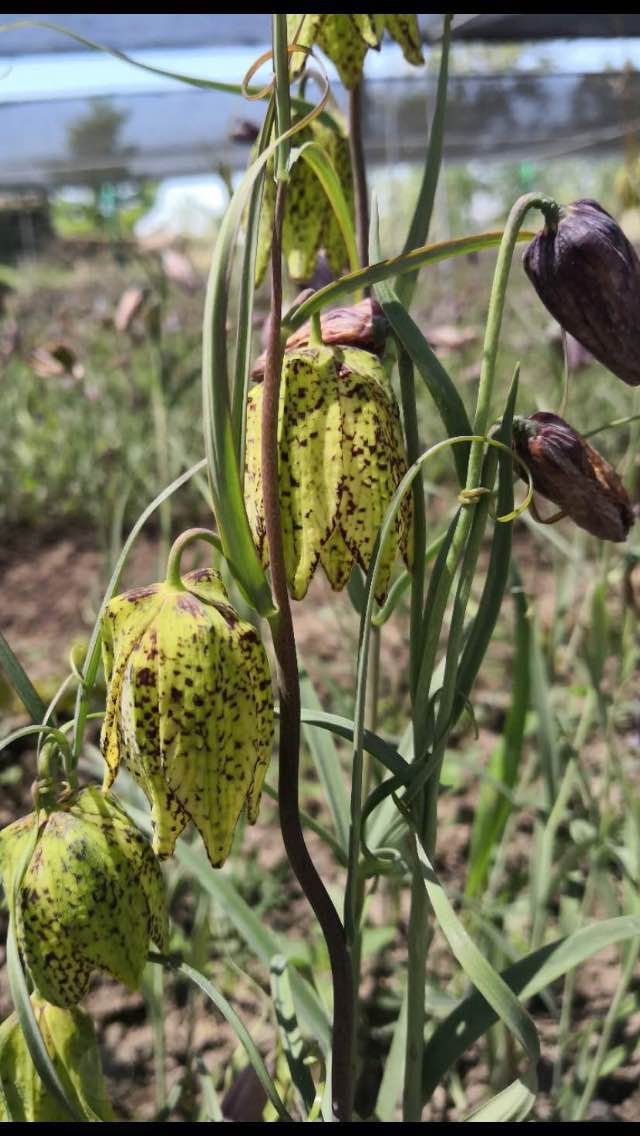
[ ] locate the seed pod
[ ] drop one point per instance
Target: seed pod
(341, 460)
(92, 897)
(71, 1043)
(189, 708)
(568, 471)
(587, 274)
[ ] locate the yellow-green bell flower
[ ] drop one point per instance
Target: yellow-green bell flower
(71, 1043)
(346, 38)
(310, 224)
(341, 458)
(92, 897)
(189, 708)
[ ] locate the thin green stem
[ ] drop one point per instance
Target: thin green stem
(281, 625)
(173, 576)
(359, 171)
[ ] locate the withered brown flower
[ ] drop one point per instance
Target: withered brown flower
(361, 325)
(587, 274)
(568, 471)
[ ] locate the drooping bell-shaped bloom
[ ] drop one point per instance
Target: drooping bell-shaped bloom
(567, 470)
(92, 897)
(71, 1043)
(341, 459)
(189, 708)
(346, 38)
(310, 224)
(587, 274)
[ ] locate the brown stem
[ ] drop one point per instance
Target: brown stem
(289, 686)
(359, 170)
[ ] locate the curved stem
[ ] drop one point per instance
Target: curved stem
(173, 577)
(281, 624)
(359, 171)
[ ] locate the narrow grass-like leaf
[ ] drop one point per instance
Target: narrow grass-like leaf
(393, 1076)
(548, 743)
(320, 162)
(441, 387)
(19, 680)
(382, 750)
(513, 1104)
(326, 760)
(494, 807)
(242, 1034)
(385, 269)
(499, 562)
(491, 985)
(256, 935)
(529, 976)
(292, 1041)
(421, 220)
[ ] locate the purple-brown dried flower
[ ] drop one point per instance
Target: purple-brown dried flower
(587, 274)
(568, 471)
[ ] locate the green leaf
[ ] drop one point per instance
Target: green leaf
(494, 807)
(438, 382)
(527, 977)
(495, 992)
(292, 1041)
(324, 169)
(421, 220)
(326, 759)
(513, 1104)
(393, 1076)
(242, 1034)
(385, 269)
(382, 750)
(499, 562)
(18, 678)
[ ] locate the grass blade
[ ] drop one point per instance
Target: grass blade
(325, 758)
(527, 977)
(19, 680)
(292, 1042)
(242, 1034)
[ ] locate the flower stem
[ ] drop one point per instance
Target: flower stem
(359, 171)
(173, 576)
(281, 624)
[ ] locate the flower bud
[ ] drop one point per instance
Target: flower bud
(92, 897)
(71, 1043)
(587, 274)
(341, 460)
(568, 471)
(189, 708)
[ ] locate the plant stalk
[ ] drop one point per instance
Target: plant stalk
(359, 171)
(281, 624)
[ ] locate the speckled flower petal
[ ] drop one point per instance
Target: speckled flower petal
(139, 742)
(253, 498)
(70, 1040)
(310, 460)
(337, 561)
(340, 39)
(123, 625)
(305, 212)
(370, 27)
(302, 29)
(265, 226)
(209, 755)
(405, 31)
(370, 462)
(81, 905)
